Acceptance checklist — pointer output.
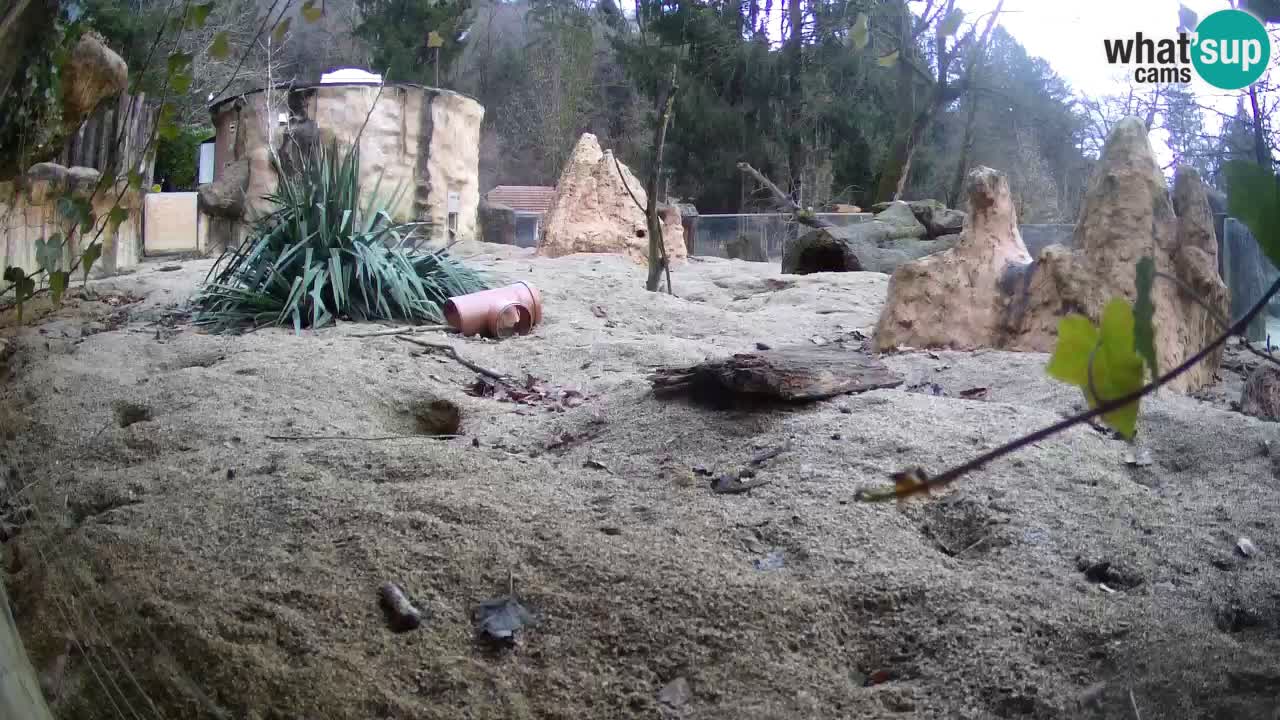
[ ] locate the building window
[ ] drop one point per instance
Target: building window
(453, 226)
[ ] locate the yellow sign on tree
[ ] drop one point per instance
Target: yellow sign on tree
(434, 40)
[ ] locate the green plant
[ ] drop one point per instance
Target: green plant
(318, 256)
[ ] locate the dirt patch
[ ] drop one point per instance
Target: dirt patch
(209, 570)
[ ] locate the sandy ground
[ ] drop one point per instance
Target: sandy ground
(204, 570)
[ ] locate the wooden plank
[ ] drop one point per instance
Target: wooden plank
(20, 695)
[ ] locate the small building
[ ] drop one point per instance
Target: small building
(530, 203)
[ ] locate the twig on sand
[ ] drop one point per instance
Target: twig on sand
(353, 437)
(401, 331)
(461, 360)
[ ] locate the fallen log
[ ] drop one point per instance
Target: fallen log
(795, 374)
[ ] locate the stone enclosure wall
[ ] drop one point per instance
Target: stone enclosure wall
(419, 150)
(29, 211)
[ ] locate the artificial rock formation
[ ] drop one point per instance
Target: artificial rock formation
(93, 72)
(987, 292)
(593, 212)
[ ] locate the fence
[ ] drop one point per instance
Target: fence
(112, 139)
(760, 237)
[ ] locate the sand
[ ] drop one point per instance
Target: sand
(204, 570)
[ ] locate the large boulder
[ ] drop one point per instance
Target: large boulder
(598, 209)
(995, 296)
(92, 72)
(497, 223)
(225, 196)
(869, 246)
(898, 221)
(936, 218)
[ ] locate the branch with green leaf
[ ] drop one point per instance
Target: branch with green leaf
(1108, 361)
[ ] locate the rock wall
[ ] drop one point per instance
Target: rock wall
(597, 209)
(419, 146)
(28, 212)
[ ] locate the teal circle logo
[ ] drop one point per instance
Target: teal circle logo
(1231, 49)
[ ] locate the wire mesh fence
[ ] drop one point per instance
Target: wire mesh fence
(758, 237)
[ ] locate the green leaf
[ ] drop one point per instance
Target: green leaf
(179, 62)
(1121, 368)
(1117, 368)
(180, 83)
(66, 207)
(888, 61)
(1077, 338)
(1144, 311)
(116, 218)
(860, 33)
(49, 252)
(135, 180)
(58, 284)
(199, 15)
(221, 47)
(167, 128)
(310, 12)
(89, 257)
(1253, 197)
(13, 274)
(281, 29)
(25, 288)
(951, 23)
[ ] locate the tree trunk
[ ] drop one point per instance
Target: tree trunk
(795, 100)
(657, 245)
(966, 147)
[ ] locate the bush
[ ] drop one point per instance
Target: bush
(318, 257)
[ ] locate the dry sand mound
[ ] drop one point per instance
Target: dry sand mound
(208, 571)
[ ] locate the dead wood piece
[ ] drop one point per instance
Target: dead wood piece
(770, 453)
(402, 616)
(402, 331)
(782, 200)
(448, 349)
(803, 373)
(731, 485)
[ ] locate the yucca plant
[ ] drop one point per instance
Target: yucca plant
(318, 257)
